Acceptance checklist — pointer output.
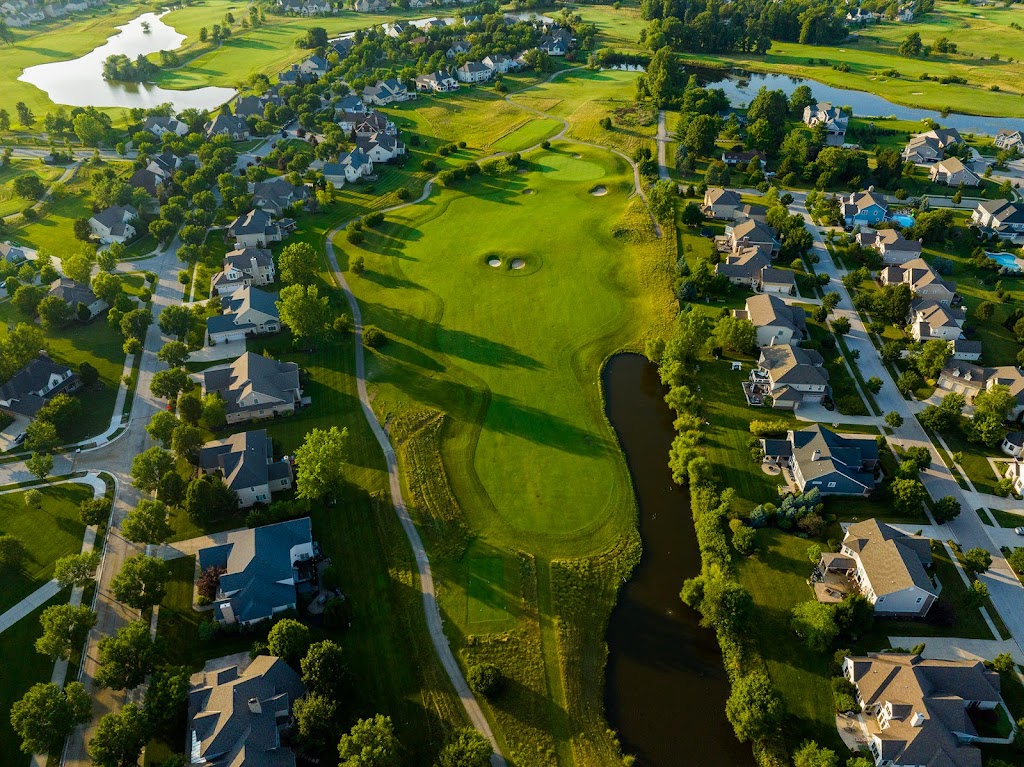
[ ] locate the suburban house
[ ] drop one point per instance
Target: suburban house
(743, 158)
(952, 172)
(861, 16)
(157, 173)
(34, 385)
(276, 194)
(250, 106)
(437, 82)
(236, 128)
(255, 387)
(12, 254)
(114, 224)
(260, 568)
(926, 148)
(255, 229)
(248, 311)
(350, 167)
(386, 92)
(751, 233)
(76, 295)
(1013, 443)
(473, 72)
(968, 380)
(826, 461)
(917, 710)
(556, 42)
(776, 321)
(159, 126)
(885, 566)
(1000, 216)
(774, 280)
(314, 65)
(930, 319)
(791, 376)
(370, 6)
(1015, 473)
(1009, 139)
(891, 244)
(498, 63)
(245, 462)
(964, 350)
(237, 713)
(351, 103)
(380, 147)
(245, 266)
(744, 268)
(866, 208)
(367, 124)
(924, 281)
(721, 203)
(458, 48)
(831, 117)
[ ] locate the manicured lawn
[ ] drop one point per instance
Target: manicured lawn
(975, 459)
(844, 388)
(9, 201)
(49, 532)
(528, 135)
(22, 668)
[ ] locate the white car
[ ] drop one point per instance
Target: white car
(1019, 530)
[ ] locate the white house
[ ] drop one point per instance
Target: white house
(776, 321)
(437, 82)
(34, 385)
(952, 172)
(242, 267)
(76, 295)
(114, 224)
(255, 229)
(254, 387)
(248, 311)
(386, 92)
(350, 167)
(473, 72)
(380, 147)
(159, 126)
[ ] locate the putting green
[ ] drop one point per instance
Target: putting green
(566, 167)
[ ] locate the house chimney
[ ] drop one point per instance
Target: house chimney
(917, 719)
(816, 455)
(254, 706)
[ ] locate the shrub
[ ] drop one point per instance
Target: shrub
(358, 265)
(773, 428)
(403, 194)
(545, 144)
(744, 540)
(373, 337)
(373, 219)
(485, 679)
(355, 236)
(843, 693)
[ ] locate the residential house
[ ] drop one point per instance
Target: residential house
(159, 126)
(1015, 473)
(743, 158)
(236, 128)
(917, 710)
(76, 296)
(964, 378)
(371, 123)
(351, 167)
(255, 387)
(386, 92)
(866, 208)
(243, 267)
(965, 350)
(744, 268)
(894, 248)
(952, 172)
(342, 46)
(498, 63)
(721, 203)
(556, 42)
(777, 322)
(351, 103)
(260, 568)
(157, 174)
(255, 229)
(247, 311)
(276, 195)
(250, 106)
(929, 147)
(458, 48)
(825, 461)
(774, 280)
(12, 254)
(473, 72)
(931, 320)
(791, 376)
(380, 147)
(1009, 139)
(245, 462)
(437, 82)
(752, 233)
(370, 6)
(832, 118)
(1001, 216)
(924, 281)
(861, 16)
(314, 65)
(1013, 444)
(35, 385)
(114, 224)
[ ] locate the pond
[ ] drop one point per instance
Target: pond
(741, 88)
(80, 82)
(665, 687)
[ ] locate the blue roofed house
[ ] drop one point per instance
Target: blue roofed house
(246, 464)
(829, 462)
(314, 65)
(238, 711)
(247, 311)
(259, 570)
(865, 208)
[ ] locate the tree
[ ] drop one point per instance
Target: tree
(665, 77)
(54, 313)
(78, 267)
(908, 381)
(700, 135)
(977, 560)
(320, 463)
(976, 594)
(289, 639)
(89, 128)
(810, 754)
(12, 553)
(76, 569)
(127, 657)
(370, 743)
(324, 670)
(25, 116)
(94, 511)
(691, 215)
(932, 358)
(149, 466)
(88, 374)
(176, 320)
(995, 401)
(27, 299)
(911, 46)
(815, 623)
(119, 738)
(215, 410)
(40, 464)
(485, 679)
(316, 722)
(946, 509)
(28, 186)
(985, 311)
(190, 406)
(841, 325)
(920, 458)
(725, 605)
(754, 707)
(174, 353)
(141, 582)
(186, 442)
(297, 264)
(469, 749)
(135, 323)
(65, 628)
(874, 384)
(167, 696)
(735, 334)
(304, 311)
(147, 523)
(41, 436)
(907, 495)
(47, 714)
(855, 616)
(661, 199)
(161, 427)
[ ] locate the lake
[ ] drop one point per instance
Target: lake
(80, 83)
(665, 686)
(741, 88)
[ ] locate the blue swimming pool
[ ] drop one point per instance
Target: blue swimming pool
(1006, 260)
(903, 220)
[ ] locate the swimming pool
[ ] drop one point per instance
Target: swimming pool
(903, 221)
(1008, 261)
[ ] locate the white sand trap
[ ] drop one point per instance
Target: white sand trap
(529, 191)
(518, 263)
(578, 156)
(599, 191)
(917, 93)
(495, 262)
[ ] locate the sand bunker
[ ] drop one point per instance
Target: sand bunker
(528, 191)
(495, 262)
(518, 263)
(599, 191)
(578, 156)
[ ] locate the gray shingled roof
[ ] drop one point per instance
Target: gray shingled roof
(819, 451)
(35, 376)
(252, 373)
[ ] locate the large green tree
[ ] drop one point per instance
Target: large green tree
(119, 738)
(127, 657)
(370, 743)
(141, 582)
(320, 463)
(47, 714)
(65, 628)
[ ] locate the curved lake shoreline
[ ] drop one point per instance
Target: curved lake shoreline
(665, 686)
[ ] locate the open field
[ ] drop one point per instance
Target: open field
(48, 532)
(11, 202)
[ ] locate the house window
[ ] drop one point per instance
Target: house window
(831, 484)
(919, 600)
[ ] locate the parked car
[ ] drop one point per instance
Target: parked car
(1019, 530)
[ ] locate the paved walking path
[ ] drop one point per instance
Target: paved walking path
(663, 140)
